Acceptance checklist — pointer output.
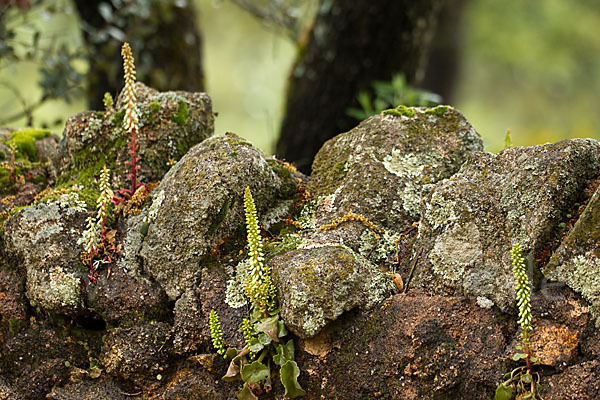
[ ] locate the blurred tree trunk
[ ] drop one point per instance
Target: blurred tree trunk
(351, 44)
(165, 40)
(445, 56)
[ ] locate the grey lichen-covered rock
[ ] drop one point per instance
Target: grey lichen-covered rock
(379, 168)
(201, 205)
(317, 285)
(45, 237)
(577, 261)
(170, 123)
(471, 221)
(138, 354)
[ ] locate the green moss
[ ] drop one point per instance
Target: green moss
(100, 114)
(439, 110)
(400, 111)
(340, 168)
(182, 114)
(14, 325)
(118, 118)
(154, 107)
(25, 139)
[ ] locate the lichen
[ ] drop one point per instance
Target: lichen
(410, 168)
(235, 293)
(65, 288)
(584, 277)
(456, 249)
(440, 211)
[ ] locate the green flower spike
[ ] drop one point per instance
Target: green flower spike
(259, 286)
(215, 333)
(522, 289)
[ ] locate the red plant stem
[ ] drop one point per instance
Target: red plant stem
(133, 159)
(528, 360)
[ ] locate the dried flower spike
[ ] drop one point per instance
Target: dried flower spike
(131, 118)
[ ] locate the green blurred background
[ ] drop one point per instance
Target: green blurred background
(531, 67)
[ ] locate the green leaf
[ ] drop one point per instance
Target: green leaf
(233, 372)
(533, 359)
(254, 345)
(231, 353)
(281, 329)
(519, 356)
(255, 372)
(289, 378)
(519, 347)
(246, 393)
(264, 339)
(503, 392)
(528, 396)
(285, 352)
(526, 378)
(269, 326)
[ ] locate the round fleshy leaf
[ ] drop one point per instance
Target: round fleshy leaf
(503, 392)
(255, 372)
(289, 378)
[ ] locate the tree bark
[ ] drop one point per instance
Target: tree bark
(445, 56)
(166, 44)
(351, 44)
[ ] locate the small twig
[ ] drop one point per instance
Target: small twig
(412, 269)
(130, 394)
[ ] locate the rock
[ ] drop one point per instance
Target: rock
(191, 331)
(138, 354)
(199, 205)
(316, 285)
(6, 391)
(102, 388)
(379, 168)
(471, 221)
(195, 382)
(577, 261)
(169, 124)
(34, 360)
(122, 299)
(13, 315)
(578, 382)
(47, 149)
(554, 345)
(414, 347)
(45, 237)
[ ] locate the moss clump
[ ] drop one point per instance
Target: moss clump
(182, 114)
(117, 119)
(400, 111)
(439, 110)
(154, 107)
(25, 139)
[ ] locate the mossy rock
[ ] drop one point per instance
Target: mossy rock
(521, 195)
(316, 285)
(170, 123)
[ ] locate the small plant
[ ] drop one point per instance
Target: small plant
(507, 140)
(97, 242)
(108, 102)
(523, 378)
(389, 95)
(264, 330)
(130, 120)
